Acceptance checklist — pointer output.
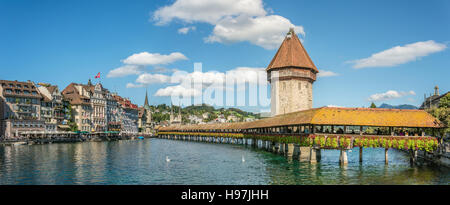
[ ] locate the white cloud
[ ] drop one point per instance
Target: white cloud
(125, 71)
(185, 30)
(389, 95)
(233, 20)
(193, 84)
(334, 106)
(178, 90)
(209, 11)
(132, 85)
(265, 31)
(239, 75)
(400, 54)
(135, 64)
(148, 78)
(325, 73)
(159, 69)
(146, 58)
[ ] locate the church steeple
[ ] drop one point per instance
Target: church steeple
(146, 105)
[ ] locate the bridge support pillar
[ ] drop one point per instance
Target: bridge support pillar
(313, 156)
(360, 154)
(305, 152)
(296, 152)
(386, 160)
(283, 149)
(254, 142)
(413, 157)
(343, 157)
(319, 155)
(290, 150)
(276, 148)
(264, 145)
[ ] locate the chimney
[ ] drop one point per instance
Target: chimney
(436, 90)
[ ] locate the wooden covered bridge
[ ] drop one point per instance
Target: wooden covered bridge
(301, 135)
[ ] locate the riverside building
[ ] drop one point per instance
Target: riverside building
(433, 100)
(53, 111)
(78, 96)
(129, 116)
(20, 107)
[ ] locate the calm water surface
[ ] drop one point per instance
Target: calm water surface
(144, 162)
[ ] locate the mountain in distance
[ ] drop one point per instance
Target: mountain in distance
(404, 106)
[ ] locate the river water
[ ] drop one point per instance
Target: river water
(144, 162)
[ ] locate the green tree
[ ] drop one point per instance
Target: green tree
(212, 116)
(444, 102)
(443, 115)
(73, 126)
(373, 105)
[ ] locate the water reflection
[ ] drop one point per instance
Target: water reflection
(144, 162)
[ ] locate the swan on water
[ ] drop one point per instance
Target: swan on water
(243, 159)
(167, 159)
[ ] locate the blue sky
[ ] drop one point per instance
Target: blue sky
(71, 41)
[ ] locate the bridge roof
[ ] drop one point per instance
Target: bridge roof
(353, 117)
(332, 116)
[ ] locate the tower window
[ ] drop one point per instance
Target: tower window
(299, 85)
(284, 85)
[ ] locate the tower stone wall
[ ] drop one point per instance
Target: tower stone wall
(290, 95)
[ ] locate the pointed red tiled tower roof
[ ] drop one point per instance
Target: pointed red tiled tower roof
(291, 54)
